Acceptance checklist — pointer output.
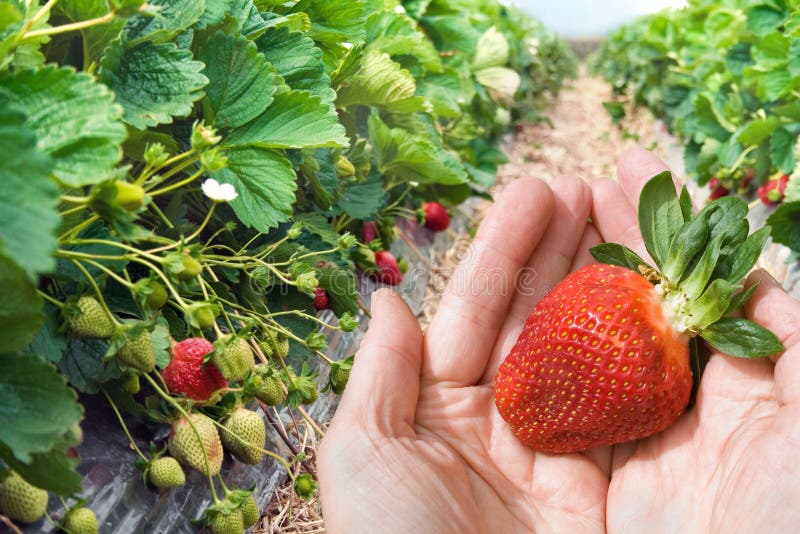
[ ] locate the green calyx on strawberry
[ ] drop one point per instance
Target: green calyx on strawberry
(185, 446)
(165, 472)
(267, 385)
(86, 317)
(20, 500)
(245, 436)
(233, 357)
(189, 374)
(305, 486)
(80, 520)
(610, 355)
(236, 512)
(117, 200)
(201, 315)
(150, 294)
(302, 388)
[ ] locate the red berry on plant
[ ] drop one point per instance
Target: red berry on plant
(369, 232)
(717, 189)
(436, 217)
(388, 271)
(186, 373)
(320, 299)
(772, 192)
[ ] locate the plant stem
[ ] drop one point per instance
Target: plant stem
(124, 426)
(97, 291)
(176, 185)
(50, 299)
(279, 429)
(108, 17)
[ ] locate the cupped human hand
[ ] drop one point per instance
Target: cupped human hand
(417, 444)
(731, 463)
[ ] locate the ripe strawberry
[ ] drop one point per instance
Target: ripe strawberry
(320, 299)
(604, 357)
(186, 374)
(165, 472)
(233, 357)
(250, 512)
(20, 500)
(231, 522)
(387, 272)
(245, 436)
(436, 217)
(771, 193)
(80, 520)
(369, 232)
(717, 189)
(138, 352)
(185, 447)
(86, 317)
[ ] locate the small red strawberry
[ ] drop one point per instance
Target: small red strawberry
(436, 217)
(605, 357)
(717, 189)
(186, 373)
(320, 299)
(388, 271)
(771, 193)
(369, 232)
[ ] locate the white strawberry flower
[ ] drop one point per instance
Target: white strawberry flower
(219, 192)
(399, 9)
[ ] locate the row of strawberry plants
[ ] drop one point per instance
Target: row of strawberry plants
(183, 182)
(724, 77)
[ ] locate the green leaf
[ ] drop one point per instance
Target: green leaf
(265, 182)
(294, 120)
(739, 299)
(381, 82)
(691, 238)
(36, 406)
(174, 17)
(84, 364)
(48, 343)
(738, 58)
(73, 118)
(785, 223)
(697, 274)
(742, 338)
(98, 37)
(28, 198)
(492, 50)
(334, 22)
(342, 288)
(775, 84)
(614, 254)
(747, 254)
(53, 470)
(758, 130)
(686, 204)
(616, 111)
(660, 215)
(9, 15)
(241, 82)
(710, 121)
(412, 158)
(153, 82)
(398, 35)
(21, 308)
(781, 149)
(501, 82)
(762, 19)
(713, 303)
(794, 58)
(363, 200)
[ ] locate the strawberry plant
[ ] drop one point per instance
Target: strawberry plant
(183, 181)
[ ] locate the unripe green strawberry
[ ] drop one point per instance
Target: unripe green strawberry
(87, 318)
(131, 384)
(312, 395)
(270, 392)
(20, 500)
(201, 315)
(250, 513)
(151, 293)
(230, 523)
(185, 447)
(80, 520)
(138, 352)
(129, 196)
(281, 346)
(166, 472)
(266, 348)
(344, 168)
(245, 436)
(191, 268)
(305, 486)
(233, 357)
(339, 376)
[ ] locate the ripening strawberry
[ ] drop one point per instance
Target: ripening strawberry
(388, 271)
(186, 373)
(605, 357)
(188, 450)
(320, 299)
(233, 357)
(772, 192)
(717, 190)
(436, 217)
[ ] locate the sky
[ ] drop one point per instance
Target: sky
(589, 18)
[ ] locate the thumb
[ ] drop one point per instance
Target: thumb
(383, 388)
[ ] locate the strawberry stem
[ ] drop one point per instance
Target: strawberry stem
(124, 426)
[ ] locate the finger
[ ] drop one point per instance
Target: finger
(636, 166)
(476, 300)
(591, 238)
(548, 264)
(614, 216)
(774, 309)
(383, 388)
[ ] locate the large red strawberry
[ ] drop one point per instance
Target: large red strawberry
(607, 356)
(186, 373)
(436, 217)
(388, 271)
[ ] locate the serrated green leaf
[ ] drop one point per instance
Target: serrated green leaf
(781, 149)
(334, 22)
(363, 200)
(381, 82)
(502, 83)
(758, 130)
(265, 182)
(709, 121)
(747, 254)
(794, 58)
(48, 343)
(614, 254)
(412, 158)
(84, 366)
(742, 338)
(248, 20)
(174, 17)
(9, 15)
(492, 50)
(660, 215)
(775, 84)
(320, 171)
(762, 19)
(397, 35)
(241, 82)
(785, 223)
(295, 119)
(20, 310)
(28, 198)
(53, 470)
(36, 406)
(153, 82)
(73, 118)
